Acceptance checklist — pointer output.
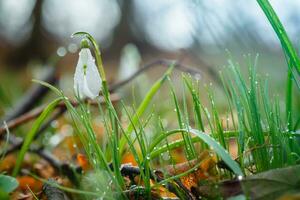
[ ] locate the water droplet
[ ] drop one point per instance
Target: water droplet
(240, 177)
(72, 48)
(61, 51)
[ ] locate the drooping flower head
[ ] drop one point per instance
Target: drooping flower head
(87, 81)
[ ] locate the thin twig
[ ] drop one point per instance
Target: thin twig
(162, 62)
(12, 124)
(17, 143)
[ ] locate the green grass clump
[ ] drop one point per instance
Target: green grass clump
(264, 138)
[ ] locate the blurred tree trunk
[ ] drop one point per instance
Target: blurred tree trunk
(122, 34)
(33, 48)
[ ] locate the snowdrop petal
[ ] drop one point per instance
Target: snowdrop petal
(85, 55)
(93, 78)
(86, 91)
(78, 79)
(87, 81)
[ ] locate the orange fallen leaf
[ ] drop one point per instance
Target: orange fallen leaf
(128, 158)
(83, 162)
(28, 181)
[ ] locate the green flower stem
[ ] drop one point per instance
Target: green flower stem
(97, 52)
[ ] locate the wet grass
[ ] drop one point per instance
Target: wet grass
(265, 138)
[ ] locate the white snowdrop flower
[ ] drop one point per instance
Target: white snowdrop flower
(87, 81)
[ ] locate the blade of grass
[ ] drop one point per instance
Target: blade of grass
(188, 147)
(29, 137)
(292, 58)
(196, 102)
(281, 33)
(144, 105)
(220, 151)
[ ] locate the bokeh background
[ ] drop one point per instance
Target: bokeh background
(200, 33)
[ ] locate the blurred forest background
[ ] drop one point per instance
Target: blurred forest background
(200, 33)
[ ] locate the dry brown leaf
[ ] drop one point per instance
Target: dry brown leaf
(44, 169)
(207, 162)
(162, 192)
(8, 163)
